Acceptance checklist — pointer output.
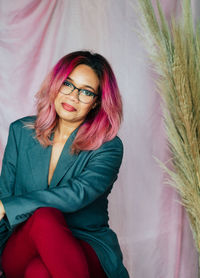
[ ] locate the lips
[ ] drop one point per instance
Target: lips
(68, 107)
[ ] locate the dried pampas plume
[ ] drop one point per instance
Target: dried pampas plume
(174, 51)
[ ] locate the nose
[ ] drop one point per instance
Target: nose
(74, 95)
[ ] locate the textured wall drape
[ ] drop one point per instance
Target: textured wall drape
(151, 225)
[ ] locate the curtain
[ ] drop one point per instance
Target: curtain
(145, 212)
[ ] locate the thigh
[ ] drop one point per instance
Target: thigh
(94, 265)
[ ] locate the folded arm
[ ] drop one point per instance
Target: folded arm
(76, 192)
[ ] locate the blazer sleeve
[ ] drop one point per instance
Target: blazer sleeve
(98, 177)
(7, 178)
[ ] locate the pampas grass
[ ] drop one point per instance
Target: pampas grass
(174, 51)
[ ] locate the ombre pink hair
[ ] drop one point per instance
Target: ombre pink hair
(101, 124)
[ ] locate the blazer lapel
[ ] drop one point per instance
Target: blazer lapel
(39, 158)
(65, 161)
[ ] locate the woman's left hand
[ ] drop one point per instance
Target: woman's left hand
(2, 210)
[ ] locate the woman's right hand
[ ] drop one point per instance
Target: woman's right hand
(2, 210)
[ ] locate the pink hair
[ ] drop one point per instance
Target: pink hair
(101, 124)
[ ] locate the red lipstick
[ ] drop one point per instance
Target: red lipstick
(68, 107)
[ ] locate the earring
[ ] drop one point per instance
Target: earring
(94, 105)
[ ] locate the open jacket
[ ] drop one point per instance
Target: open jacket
(79, 188)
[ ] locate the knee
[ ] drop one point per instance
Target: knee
(46, 217)
(46, 213)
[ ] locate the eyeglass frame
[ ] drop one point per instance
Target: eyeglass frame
(79, 91)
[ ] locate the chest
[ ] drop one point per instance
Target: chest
(55, 155)
(38, 167)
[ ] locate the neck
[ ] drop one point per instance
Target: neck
(64, 129)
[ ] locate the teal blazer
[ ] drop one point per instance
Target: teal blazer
(79, 188)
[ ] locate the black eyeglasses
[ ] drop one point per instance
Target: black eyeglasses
(84, 96)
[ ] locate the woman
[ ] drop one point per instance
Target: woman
(58, 170)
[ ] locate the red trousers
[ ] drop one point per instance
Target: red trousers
(44, 247)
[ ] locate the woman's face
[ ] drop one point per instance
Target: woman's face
(68, 107)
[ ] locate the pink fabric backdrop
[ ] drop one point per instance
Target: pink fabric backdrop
(151, 225)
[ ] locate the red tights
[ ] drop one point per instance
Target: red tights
(44, 247)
